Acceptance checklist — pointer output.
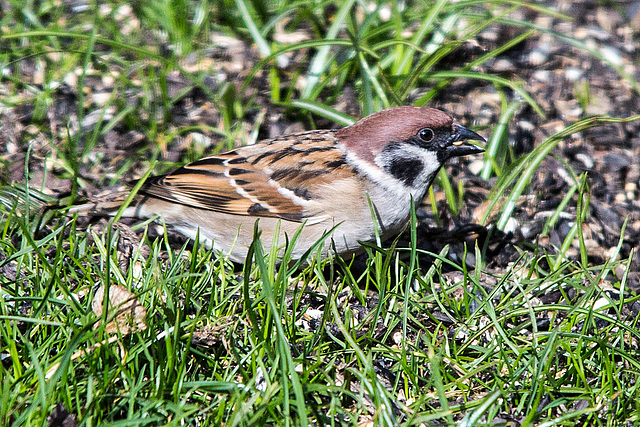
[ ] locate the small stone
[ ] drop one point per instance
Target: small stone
(314, 313)
(592, 246)
(540, 54)
(385, 13)
(104, 9)
(542, 75)
(475, 167)
(511, 226)
(397, 337)
(79, 7)
(101, 98)
(586, 160)
(503, 65)
(573, 73)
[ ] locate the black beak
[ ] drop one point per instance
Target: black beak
(459, 146)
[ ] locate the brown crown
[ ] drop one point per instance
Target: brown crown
(368, 137)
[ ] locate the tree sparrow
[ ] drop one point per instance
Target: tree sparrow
(350, 181)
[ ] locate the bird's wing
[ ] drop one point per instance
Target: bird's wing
(276, 178)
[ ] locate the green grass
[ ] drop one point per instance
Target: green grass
(281, 343)
(267, 359)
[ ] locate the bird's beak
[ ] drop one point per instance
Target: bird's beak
(459, 145)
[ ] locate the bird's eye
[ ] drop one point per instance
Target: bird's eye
(426, 134)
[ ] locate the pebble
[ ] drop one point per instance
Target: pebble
(542, 75)
(615, 161)
(475, 167)
(511, 225)
(385, 13)
(586, 160)
(91, 119)
(540, 54)
(397, 337)
(101, 98)
(528, 231)
(12, 147)
(104, 9)
(70, 79)
(502, 65)
(79, 7)
(592, 246)
(573, 73)
(314, 313)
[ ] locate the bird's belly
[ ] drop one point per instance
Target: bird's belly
(233, 234)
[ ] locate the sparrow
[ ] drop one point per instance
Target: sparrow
(341, 184)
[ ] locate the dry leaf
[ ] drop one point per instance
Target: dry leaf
(129, 313)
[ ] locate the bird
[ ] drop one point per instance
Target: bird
(339, 187)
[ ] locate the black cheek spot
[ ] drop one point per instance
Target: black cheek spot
(406, 170)
(242, 182)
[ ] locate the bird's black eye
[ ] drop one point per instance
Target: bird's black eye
(426, 134)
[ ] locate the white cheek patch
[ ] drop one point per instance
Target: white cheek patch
(429, 159)
(375, 172)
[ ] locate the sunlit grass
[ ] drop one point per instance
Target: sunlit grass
(278, 341)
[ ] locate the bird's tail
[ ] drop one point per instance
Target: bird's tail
(26, 201)
(108, 205)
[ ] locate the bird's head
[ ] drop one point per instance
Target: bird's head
(410, 143)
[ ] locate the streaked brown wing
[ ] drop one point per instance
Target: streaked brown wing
(229, 190)
(275, 178)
